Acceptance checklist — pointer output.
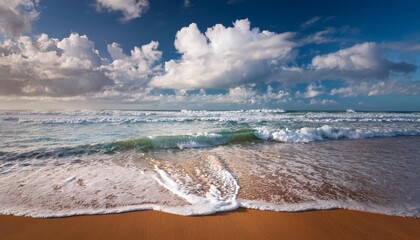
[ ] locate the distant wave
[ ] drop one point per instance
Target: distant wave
(203, 140)
(245, 116)
(63, 163)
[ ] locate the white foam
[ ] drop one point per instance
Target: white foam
(244, 116)
(40, 176)
(213, 201)
(191, 144)
(76, 187)
(330, 204)
(307, 134)
(101, 184)
(65, 188)
(264, 110)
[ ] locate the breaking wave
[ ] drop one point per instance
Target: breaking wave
(326, 132)
(185, 116)
(205, 140)
(63, 163)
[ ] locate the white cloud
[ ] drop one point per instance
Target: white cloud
(316, 101)
(361, 61)
(229, 58)
(408, 46)
(72, 66)
(310, 22)
(50, 67)
(224, 57)
(389, 87)
(240, 96)
(16, 16)
(134, 71)
(312, 91)
(280, 96)
(129, 8)
(187, 3)
(323, 36)
(359, 57)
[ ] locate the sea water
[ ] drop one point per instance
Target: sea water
(63, 163)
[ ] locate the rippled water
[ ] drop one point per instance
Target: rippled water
(61, 163)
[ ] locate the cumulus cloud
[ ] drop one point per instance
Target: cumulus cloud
(280, 96)
(224, 56)
(362, 68)
(46, 66)
(16, 16)
(248, 95)
(50, 67)
(390, 87)
(361, 61)
(130, 9)
(311, 91)
(133, 72)
(317, 101)
(240, 96)
(230, 59)
(359, 57)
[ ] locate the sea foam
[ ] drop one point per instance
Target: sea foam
(63, 163)
(326, 132)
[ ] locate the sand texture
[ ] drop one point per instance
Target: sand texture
(239, 224)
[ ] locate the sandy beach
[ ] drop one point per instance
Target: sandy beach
(239, 224)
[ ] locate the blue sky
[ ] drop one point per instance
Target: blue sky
(145, 54)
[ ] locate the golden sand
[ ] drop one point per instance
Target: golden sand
(239, 224)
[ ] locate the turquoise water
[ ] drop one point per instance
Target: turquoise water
(24, 131)
(59, 163)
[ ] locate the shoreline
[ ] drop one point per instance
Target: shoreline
(237, 224)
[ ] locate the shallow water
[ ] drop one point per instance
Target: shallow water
(84, 162)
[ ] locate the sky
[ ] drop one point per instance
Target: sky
(210, 55)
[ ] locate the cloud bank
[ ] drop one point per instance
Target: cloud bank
(16, 16)
(241, 62)
(50, 67)
(71, 66)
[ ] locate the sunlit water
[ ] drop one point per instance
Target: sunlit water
(61, 163)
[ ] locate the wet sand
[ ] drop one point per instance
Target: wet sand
(239, 224)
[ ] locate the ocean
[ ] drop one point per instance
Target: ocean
(65, 163)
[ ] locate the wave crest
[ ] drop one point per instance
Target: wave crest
(307, 134)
